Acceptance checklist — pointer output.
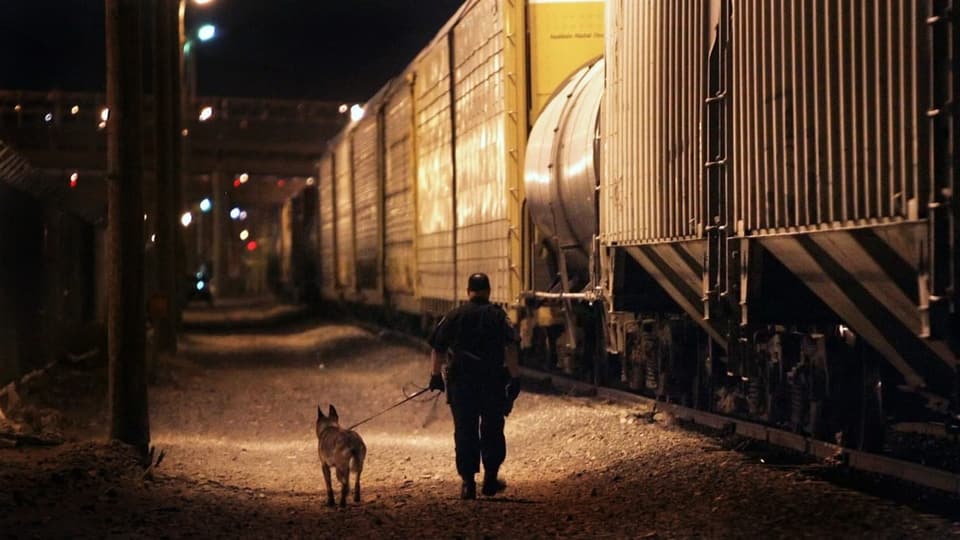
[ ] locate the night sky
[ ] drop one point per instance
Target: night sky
(317, 49)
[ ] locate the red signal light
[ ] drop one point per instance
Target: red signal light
(73, 180)
(236, 183)
(281, 183)
(251, 245)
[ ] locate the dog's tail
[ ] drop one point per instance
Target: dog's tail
(356, 459)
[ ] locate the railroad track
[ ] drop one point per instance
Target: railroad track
(855, 459)
(859, 460)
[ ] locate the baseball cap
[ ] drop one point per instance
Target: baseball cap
(478, 282)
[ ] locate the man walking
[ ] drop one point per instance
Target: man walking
(482, 383)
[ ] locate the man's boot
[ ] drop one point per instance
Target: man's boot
(468, 490)
(491, 484)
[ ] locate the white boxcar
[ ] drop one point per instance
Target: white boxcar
(652, 161)
(829, 99)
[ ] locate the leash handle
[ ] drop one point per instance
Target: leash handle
(394, 406)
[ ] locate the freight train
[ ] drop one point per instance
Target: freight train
(746, 207)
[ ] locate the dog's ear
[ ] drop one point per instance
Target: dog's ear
(319, 413)
(333, 413)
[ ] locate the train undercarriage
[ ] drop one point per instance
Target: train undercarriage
(796, 366)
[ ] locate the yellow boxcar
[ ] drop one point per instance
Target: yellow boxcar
(564, 35)
(399, 198)
(365, 165)
(327, 251)
(452, 143)
(435, 211)
(470, 122)
(345, 235)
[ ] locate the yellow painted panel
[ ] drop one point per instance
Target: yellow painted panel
(433, 153)
(399, 203)
(328, 251)
(343, 192)
(564, 35)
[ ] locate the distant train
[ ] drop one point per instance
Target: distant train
(743, 206)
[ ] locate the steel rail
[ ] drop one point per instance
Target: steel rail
(855, 459)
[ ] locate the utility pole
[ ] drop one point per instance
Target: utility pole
(127, 388)
(166, 96)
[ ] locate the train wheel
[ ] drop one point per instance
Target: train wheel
(872, 425)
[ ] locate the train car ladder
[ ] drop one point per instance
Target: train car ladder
(716, 275)
(939, 306)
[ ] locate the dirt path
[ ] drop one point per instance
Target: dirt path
(235, 415)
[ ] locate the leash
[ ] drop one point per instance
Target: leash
(394, 406)
(432, 413)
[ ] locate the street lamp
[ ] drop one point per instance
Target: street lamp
(188, 65)
(206, 32)
(356, 112)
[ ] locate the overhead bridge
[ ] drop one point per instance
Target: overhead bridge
(59, 133)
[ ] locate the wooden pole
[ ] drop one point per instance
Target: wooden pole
(127, 387)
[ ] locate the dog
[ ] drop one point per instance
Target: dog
(342, 450)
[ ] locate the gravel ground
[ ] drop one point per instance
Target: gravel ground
(234, 415)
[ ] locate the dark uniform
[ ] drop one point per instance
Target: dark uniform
(475, 335)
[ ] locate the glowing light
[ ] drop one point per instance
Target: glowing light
(234, 213)
(206, 32)
(205, 205)
(244, 177)
(73, 179)
(75, 109)
(104, 114)
(236, 183)
(343, 108)
(184, 132)
(186, 219)
(17, 108)
(153, 238)
(144, 217)
(48, 117)
(244, 234)
(251, 245)
(243, 215)
(356, 112)
(311, 181)
(200, 285)
(281, 182)
(201, 2)
(206, 113)
(101, 125)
